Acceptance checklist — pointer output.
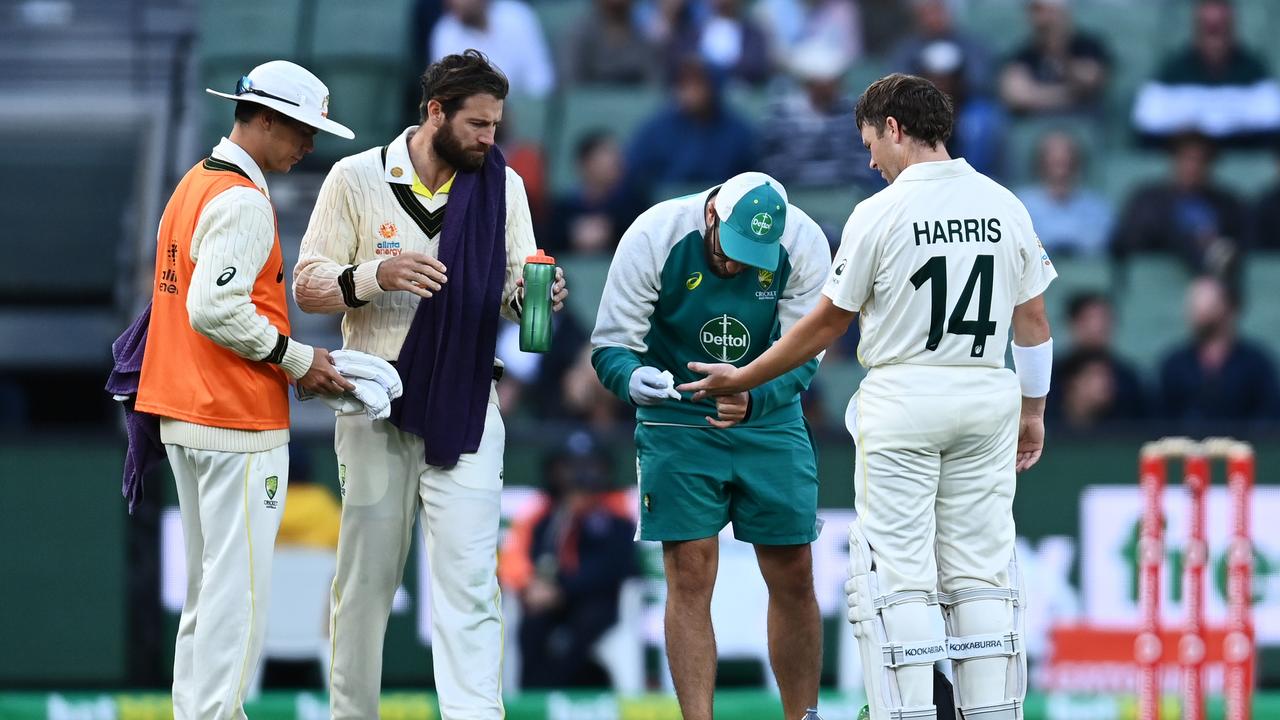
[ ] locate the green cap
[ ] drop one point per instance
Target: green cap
(752, 208)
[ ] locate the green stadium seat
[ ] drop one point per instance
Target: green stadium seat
(365, 100)
(750, 102)
(618, 109)
(1248, 174)
(828, 206)
(558, 17)
(1023, 140)
(236, 36)
(527, 118)
(586, 277)
(71, 256)
(237, 29)
(1255, 24)
(1001, 24)
(863, 72)
(668, 191)
(1132, 34)
(1075, 276)
(1261, 318)
(362, 52)
(1121, 171)
(366, 31)
(1149, 307)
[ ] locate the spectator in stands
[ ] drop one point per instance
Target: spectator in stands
(608, 46)
(977, 134)
(591, 219)
(664, 20)
(566, 556)
(1069, 219)
(526, 157)
(884, 24)
(1215, 86)
(1266, 218)
(727, 40)
(589, 402)
(792, 24)
(1187, 215)
(1217, 376)
(1086, 391)
(1092, 382)
(532, 381)
(810, 138)
(1060, 70)
(507, 31)
(697, 139)
(933, 22)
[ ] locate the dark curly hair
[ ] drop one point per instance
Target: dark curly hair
(454, 78)
(922, 110)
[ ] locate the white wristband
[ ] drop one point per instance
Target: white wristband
(1034, 365)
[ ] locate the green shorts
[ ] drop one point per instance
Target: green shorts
(693, 481)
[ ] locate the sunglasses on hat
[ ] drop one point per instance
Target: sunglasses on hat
(245, 87)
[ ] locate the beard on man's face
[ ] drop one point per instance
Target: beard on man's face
(449, 148)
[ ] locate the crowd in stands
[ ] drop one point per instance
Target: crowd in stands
(1120, 150)
(1210, 97)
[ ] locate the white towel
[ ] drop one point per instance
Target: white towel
(376, 385)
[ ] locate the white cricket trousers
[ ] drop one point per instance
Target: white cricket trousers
(385, 480)
(231, 505)
(934, 483)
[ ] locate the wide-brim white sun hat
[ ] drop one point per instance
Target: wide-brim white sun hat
(291, 90)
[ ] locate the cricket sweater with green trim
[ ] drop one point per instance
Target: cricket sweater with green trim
(663, 306)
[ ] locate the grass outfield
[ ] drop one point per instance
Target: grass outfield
(730, 705)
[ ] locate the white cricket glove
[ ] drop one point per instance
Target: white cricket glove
(650, 386)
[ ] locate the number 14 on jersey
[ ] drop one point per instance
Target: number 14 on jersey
(934, 272)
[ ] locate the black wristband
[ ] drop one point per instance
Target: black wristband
(347, 283)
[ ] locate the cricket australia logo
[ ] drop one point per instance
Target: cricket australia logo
(764, 279)
(725, 339)
(761, 223)
(272, 485)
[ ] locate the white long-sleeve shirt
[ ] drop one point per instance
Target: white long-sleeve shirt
(512, 39)
(234, 237)
(358, 223)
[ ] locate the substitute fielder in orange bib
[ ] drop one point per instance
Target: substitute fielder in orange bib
(938, 267)
(216, 370)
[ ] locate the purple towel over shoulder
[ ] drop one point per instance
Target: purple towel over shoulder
(143, 429)
(446, 362)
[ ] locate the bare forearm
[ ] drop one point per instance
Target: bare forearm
(1033, 407)
(809, 336)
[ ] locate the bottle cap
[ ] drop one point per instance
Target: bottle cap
(541, 258)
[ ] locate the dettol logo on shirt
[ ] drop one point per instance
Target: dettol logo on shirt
(725, 338)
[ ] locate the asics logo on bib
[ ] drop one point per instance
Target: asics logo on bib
(725, 338)
(761, 223)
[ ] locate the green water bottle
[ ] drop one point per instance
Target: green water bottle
(535, 320)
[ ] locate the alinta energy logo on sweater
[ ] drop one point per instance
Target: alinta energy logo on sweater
(725, 338)
(387, 246)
